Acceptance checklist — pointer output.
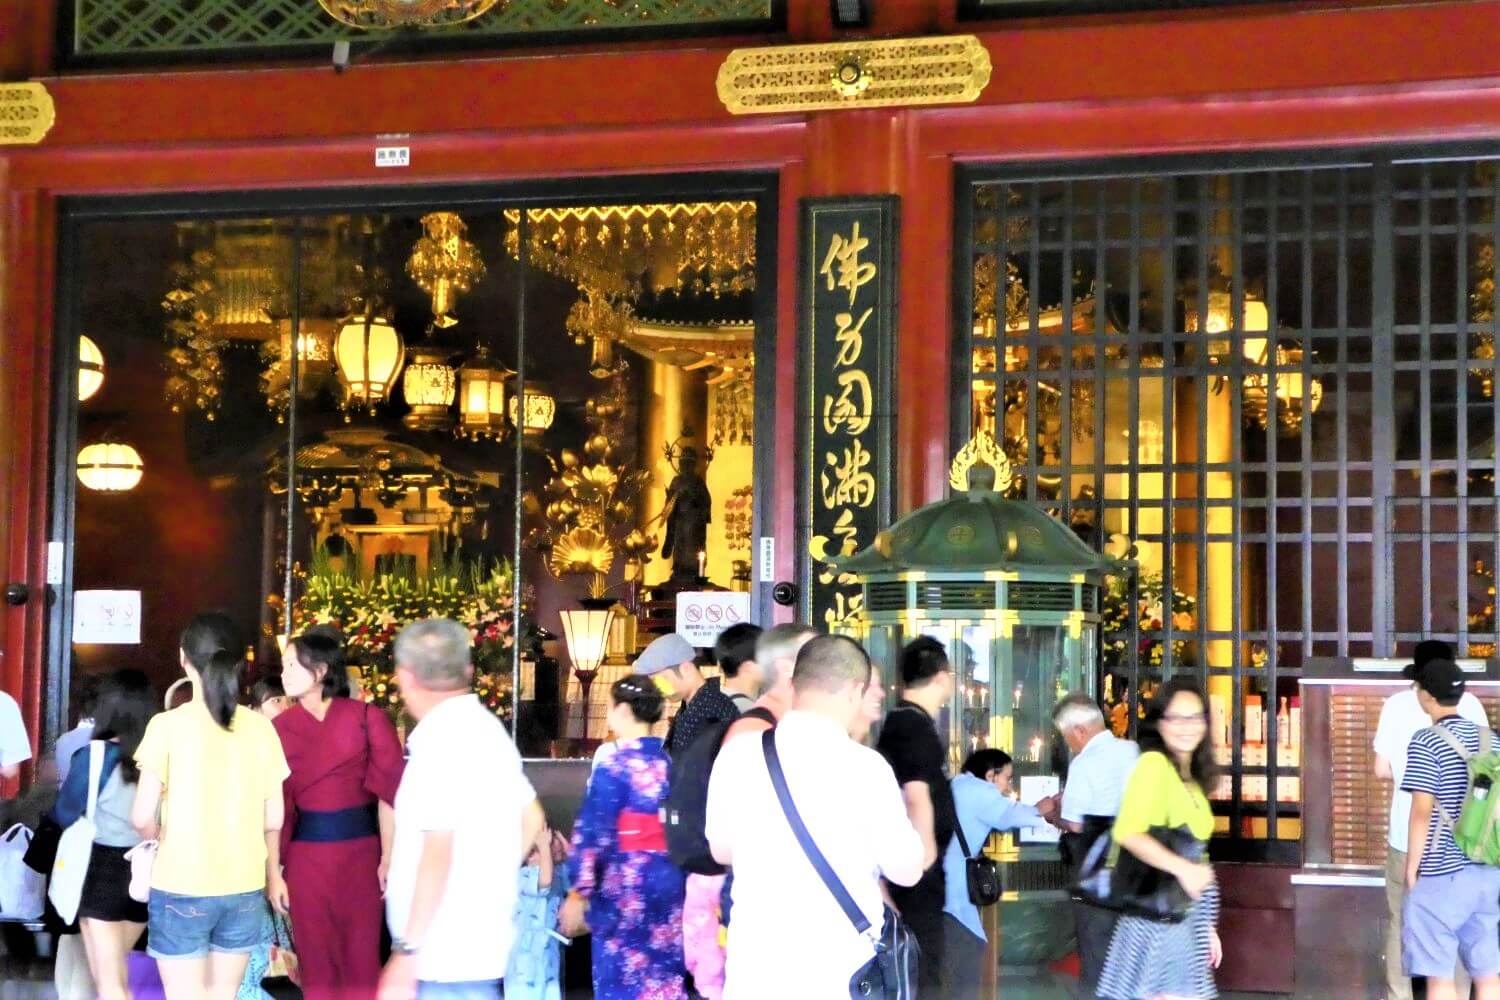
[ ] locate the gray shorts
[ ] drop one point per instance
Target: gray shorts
(1453, 918)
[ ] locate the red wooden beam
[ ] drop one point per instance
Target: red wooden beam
(1244, 52)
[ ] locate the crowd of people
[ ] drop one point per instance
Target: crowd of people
(760, 846)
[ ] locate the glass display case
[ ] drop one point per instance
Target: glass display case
(1014, 596)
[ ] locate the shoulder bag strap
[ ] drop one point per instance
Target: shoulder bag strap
(958, 827)
(820, 864)
(96, 771)
(1457, 746)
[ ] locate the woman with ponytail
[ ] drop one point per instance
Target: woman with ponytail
(210, 793)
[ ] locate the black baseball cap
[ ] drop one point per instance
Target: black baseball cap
(1427, 650)
(1443, 680)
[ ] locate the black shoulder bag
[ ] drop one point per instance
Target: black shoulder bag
(980, 873)
(892, 973)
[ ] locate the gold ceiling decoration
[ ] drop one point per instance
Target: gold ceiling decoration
(373, 15)
(622, 250)
(900, 72)
(444, 264)
(195, 369)
(601, 322)
(27, 114)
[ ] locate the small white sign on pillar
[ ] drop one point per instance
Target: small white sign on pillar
(107, 617)
(703, 614)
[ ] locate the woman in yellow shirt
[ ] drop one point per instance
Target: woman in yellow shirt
(1149, 960)
(214, 771)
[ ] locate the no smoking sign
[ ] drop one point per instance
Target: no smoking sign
(703, 614)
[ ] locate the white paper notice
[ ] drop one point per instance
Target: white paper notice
(107, 617)
(1034, 788)
(703, 614)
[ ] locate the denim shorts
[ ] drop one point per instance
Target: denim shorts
(490, 989)
(193, 926)
(1450, 919)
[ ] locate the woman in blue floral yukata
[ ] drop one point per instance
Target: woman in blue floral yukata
(620, 869)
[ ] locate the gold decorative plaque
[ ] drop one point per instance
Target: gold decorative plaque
(900, 72)
(26, 113)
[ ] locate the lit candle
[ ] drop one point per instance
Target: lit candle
(702, 563)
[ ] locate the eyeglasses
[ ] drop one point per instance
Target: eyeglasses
(1198, 719)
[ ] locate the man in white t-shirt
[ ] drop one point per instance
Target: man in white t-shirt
(465, 818)
(788, 936)
(15, 745)
(1401, 718)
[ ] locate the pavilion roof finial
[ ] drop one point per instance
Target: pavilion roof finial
(982, 450)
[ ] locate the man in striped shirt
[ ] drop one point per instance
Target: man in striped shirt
(1453, 902)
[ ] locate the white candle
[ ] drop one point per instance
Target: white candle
(702, 564)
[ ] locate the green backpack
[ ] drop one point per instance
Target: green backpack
(1477, 830)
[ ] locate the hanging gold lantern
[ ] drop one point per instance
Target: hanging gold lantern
(481, 396)
(90, 368)
(443, 264)
(429, 385)
(369, 353)
(541, 410)
(109, 467)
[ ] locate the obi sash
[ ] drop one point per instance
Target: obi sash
(641, 832)
(333, 825)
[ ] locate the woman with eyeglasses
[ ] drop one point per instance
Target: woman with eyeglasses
(619, 869)
(1150, 960)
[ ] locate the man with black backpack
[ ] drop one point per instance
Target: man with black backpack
(1453, 883)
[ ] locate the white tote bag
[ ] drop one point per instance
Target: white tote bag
(75, 847)
(23, 892)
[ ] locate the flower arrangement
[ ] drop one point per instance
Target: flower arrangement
(1148, 616)
(369, 613)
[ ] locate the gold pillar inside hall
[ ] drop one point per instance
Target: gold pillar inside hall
(672, 399)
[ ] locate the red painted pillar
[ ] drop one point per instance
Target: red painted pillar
(25, 345)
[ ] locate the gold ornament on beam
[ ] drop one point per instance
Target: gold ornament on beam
(981, 450)
(374, 15)
(899, 72)
(444, 264)
(27, 113)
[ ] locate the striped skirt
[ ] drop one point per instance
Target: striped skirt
(1147, 958)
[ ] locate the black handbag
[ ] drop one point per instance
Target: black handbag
(1133, 887)
(981, 874)
(892, 973)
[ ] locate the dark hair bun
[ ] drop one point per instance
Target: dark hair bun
(645, 701)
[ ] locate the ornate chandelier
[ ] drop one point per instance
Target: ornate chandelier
(443, 264)
(371, 15)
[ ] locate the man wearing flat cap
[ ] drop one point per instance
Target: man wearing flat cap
(671, 663)
(1401, 718)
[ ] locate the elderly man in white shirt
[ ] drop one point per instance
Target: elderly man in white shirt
(465, 818)
(1097, 774)
(1401, 718)
(787, 934)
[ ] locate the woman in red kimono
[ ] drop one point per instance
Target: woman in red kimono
(346, 762)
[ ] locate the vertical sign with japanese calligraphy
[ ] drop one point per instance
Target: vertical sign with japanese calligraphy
(847, 327)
